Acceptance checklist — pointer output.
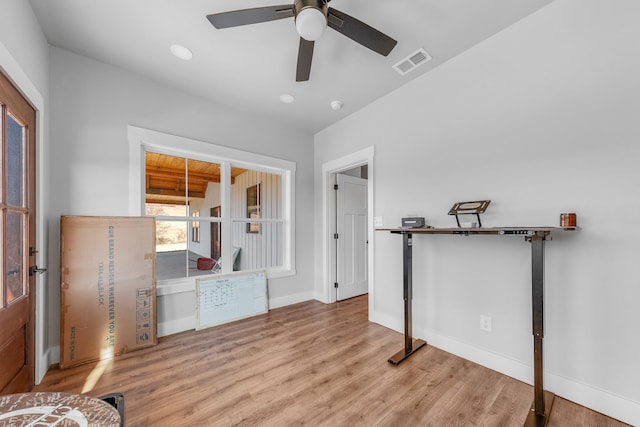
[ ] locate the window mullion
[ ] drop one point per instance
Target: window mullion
(227, 226)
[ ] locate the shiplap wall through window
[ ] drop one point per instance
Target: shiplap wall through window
(264, 249)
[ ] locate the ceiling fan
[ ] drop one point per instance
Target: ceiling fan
(311, 18)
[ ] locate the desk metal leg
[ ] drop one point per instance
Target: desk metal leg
(543, 401)
(410, 345)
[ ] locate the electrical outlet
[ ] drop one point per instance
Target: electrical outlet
(377, 221)
(485, 323)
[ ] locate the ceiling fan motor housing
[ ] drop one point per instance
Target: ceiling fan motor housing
(311, 18)
(321, 5)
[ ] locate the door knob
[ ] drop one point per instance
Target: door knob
(34, 269)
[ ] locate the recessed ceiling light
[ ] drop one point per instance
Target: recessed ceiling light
(336, 105)
(286, 98)
(181, 52)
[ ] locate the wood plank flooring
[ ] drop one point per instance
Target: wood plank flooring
(307, 364)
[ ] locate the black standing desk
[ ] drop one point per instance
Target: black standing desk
(543, 400)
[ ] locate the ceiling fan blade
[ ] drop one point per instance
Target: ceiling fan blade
(360, 32)
(236, 18)
(305, 55)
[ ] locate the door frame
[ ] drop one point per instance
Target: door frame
(44, 355)
(329, 170)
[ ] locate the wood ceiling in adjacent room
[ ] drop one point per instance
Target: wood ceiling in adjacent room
(167, 178)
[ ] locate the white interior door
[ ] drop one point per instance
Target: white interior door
(351, 215)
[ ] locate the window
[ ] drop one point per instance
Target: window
(176, 189)
(214, 203)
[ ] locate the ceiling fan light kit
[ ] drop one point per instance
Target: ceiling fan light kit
(311, 18)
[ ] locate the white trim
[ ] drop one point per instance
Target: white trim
(54, 353)
(289, 207)
(290, 299)
(12, 69)
(19, 78)
(227, 232)
(175, 326)
(362, 157)
(175, 286)
(140, 139)
(599, 400)
(281, 272)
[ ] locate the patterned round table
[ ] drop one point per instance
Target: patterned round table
(59, 409)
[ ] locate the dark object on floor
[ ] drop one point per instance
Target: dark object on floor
(205, 264)
(117, 401)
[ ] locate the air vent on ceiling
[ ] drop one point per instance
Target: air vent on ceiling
(412, 61)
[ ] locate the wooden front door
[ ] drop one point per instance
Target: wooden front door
(17, 240)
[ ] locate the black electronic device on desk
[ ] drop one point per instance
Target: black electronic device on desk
(413, 222)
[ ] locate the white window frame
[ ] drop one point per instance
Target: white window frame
(142, 140)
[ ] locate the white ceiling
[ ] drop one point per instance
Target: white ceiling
(249, 67)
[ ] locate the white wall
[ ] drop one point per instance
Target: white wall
(542, 118)
(24, 58)
(93, 103)
(22, 37)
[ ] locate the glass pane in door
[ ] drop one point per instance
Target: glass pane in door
(15, 278)
(15, 162)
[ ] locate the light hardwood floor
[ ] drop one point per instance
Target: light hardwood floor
(307, 364)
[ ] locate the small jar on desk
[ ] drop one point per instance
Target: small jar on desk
(568, 219)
